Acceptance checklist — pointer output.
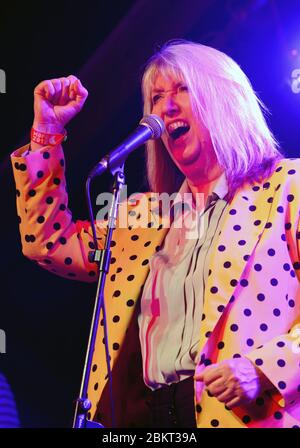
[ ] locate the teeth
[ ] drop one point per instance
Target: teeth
(176, 124)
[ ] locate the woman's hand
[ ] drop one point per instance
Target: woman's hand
(56, 102)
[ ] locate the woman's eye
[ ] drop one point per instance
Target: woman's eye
(182, 88)
(155, 99)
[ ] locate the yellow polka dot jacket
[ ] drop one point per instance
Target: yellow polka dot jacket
(251, 303)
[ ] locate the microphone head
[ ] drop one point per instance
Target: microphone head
(155, 124)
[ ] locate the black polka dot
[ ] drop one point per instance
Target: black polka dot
(268, 225)
(32, 193)
(130, 278)
(56, 226)
(213, 289)
(236, 355)
(274, 281)
(145, 262)
(134, 237)
(276, 312)
(94, 368)
(40, 174)
(266, 185)
(133, 257)
(130, 302)
(236, 227)
(49, 245)
(257, 222)
(256, 188)
(271, 252)
(263, 327)
(260, 297)
(234, 327)
(221, 345)
(278, 415)
(116, 346)
(214, 423)
(280, 209)
(49, 200)
(232, 211)
(281, 362)
(291, 171)
(198, 408)
(270, 200)
(41, 219)
(291, 303)
(244, 282)
(62, 207)
(117, 293)
(221, 308)
(246, 419)
(62, 240)
(281, 385)
(247, 312)
(252, 208)
(227, 264)
(46, 155)
(18, 193)
(221, 248)
(250, 342)
(68, 260)
(56, 181)
(112, 260)
(233, 282)
(278, 169)
(242, 243)
(259, 362)
(116, 319)
(246, 257)
(280, 344)
(258, 267)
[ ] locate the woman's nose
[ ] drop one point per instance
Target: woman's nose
(171, 106)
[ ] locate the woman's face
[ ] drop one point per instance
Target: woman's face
(188, 142)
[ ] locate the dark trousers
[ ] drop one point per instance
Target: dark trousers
(173, 406)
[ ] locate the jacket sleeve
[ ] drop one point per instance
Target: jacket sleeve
(49, 236)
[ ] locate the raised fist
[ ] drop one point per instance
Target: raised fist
(56, 102)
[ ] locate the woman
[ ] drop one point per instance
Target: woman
(216, 312)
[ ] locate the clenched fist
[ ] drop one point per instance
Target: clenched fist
(56, 102)
(234, 382)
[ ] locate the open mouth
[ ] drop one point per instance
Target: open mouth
(178, 129)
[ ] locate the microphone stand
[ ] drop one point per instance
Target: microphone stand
(102, 257)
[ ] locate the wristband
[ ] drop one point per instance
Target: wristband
(45, 139)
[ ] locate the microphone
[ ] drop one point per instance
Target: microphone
(150, 127)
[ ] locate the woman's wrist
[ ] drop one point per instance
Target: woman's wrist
(43, 134)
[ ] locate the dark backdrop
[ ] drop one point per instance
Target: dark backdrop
(46, 318)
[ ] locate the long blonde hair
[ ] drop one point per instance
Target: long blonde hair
(223, 99)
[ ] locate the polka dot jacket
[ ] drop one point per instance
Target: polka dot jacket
(251, 303)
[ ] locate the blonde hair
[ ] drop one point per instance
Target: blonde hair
(223, 99)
